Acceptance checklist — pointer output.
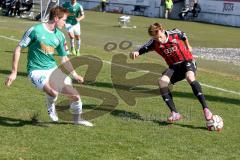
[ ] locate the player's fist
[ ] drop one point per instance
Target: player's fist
(78, 78)
(134, 54)
(10, 79)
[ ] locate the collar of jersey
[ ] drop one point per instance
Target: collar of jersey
(167, 36)
(73, 4)
(45, 27)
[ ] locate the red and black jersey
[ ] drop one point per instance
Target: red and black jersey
(173, 50)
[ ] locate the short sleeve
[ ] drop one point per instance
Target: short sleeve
(182, 35)
(27, 38)
(81, 10)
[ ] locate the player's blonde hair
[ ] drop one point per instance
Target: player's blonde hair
(57, 12)
(154, 28)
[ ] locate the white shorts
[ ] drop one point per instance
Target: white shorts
(74, 29)
(55, 77)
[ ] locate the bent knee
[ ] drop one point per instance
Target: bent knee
(190, 77)
(51, 92)
(163, 81)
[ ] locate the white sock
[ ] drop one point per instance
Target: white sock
(78, 44)
(76, 109)
(72, 43)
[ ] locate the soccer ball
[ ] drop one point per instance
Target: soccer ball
(215, 124)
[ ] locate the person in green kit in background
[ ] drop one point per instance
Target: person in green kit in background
(73, 24)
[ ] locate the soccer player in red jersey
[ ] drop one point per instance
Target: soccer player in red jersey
(175, 49)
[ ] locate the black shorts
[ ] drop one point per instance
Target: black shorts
(177, 72)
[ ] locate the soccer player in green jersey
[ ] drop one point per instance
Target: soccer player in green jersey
(73, 24)
(42, 40)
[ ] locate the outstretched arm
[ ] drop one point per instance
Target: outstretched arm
(13, 75)
(143, 49)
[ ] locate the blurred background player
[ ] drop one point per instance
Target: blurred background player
(168, 8)
(103, 5)
(73, 24)
(174, 47)
(42, 40)
(196, 9)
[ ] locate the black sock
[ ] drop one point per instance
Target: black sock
(167, 97)
(197, 90)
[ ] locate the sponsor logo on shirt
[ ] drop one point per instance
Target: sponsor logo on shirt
(47, 49)
(71, 14)
(168, 51)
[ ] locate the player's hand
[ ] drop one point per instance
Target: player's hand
(79, 19)
(10, 79)
(78, 78)
(134, 54)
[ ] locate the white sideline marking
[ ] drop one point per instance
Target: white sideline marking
(145, 71)
(220, 89)
(13, 39)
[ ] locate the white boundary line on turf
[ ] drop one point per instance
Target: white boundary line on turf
(220, 89)
(12, 39)
(145, 71)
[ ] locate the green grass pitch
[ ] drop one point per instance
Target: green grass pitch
(136, 132)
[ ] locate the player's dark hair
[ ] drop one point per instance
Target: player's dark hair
(154, 28)
(57, 12)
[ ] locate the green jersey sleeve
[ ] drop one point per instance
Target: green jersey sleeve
(27, 38)
(81, 12)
